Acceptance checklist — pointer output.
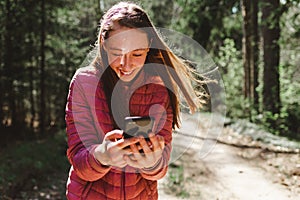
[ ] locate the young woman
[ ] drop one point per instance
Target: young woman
(133, 74)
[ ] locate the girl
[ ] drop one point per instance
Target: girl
(133, 74)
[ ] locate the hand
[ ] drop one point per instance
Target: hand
(113, 149)
(152, 152)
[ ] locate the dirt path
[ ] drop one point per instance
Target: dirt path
(202, 169)
(240, 178)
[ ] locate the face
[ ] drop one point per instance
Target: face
(126, 50)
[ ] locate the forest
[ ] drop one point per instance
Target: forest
(255, 44)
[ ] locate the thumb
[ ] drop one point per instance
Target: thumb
(114, 134)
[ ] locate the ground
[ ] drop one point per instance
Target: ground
(226, 175)
(213, 162)
(229, 166)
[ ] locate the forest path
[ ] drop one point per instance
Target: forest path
(205, 169)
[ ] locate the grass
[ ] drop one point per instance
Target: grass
(26, 164)
(176, 181)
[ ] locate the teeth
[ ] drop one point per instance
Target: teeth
(127, 73)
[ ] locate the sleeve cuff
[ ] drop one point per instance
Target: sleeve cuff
(154, 169)
(95, 164)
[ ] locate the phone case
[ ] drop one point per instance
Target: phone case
(138, 125)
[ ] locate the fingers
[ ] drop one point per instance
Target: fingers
(157, 141)
(114, 134)
(136, 151)
(116, 147)
(150, 155)
(144, 145)
(132, 161)
(135, 158)
(127, 142)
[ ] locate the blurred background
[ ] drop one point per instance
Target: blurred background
(255, 43)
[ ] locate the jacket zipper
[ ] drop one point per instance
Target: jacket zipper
(122, 191)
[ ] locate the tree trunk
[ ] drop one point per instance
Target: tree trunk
(1, 99)
(42, 70)
(255, 54)
(246, 7)
(250, 51)
(9, 65)
(32, 102)
(1, 76)
(271, 34)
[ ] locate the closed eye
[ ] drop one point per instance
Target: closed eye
(139, 52)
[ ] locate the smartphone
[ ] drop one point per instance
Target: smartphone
(138, 125)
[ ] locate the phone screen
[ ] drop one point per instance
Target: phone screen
(138, 125)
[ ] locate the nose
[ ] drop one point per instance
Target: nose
(125, 62)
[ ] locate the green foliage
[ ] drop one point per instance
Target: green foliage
(285, 122)
(176, 181)
(160, 12)
(277, 120)
(72, 33)
(70, 30)
(203, 20)
(31, 161)
(232, 29)
(230, 58)
(232, 73)
(290, 72)
(292, 120)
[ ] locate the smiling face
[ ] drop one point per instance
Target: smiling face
(127, 51)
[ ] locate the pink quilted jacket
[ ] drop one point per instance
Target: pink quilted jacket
(88, 119)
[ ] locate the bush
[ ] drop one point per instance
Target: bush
(27, 162)
(284, 123)
(230, 60)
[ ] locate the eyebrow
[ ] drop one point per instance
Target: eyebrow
(117, 49)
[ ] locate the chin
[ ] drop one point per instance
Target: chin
(126, 79)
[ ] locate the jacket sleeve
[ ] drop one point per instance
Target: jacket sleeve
(81, 132)
(162, 111)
